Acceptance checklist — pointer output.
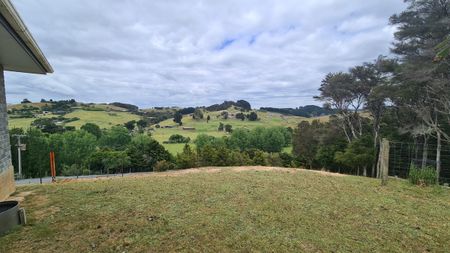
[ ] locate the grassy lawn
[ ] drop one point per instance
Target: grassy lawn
(233, 210)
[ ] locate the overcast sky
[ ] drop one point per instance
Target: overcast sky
(188, 53)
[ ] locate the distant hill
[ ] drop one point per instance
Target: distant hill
(228, 104)
(307, 111)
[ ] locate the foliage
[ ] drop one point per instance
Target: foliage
(116, 138)
(188, 110)
(178, 138)
(47, 125)
(224, 115)
(60, 107)
(141, 124)
(245, 105)
(203, 140)
(357, 155)
(305, 141)
(73, 148)
(228, 104)
(35, 159)
(145, 152)
(221, 127)
(156, 116)
(228, 128)
(198, 114)
(129, 107)
(130, 125)
(253, 116)
(187, 159)
(177, 118)
(272, 139)
(92, 129)
(302, 111)
(25, 101)
(116, 161)
(240, 116)
(422, 176)
(164, 166)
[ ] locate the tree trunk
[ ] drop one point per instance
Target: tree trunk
(343, 126)
(365, 171)
(438, 156)
(350, 125)
(425, 151)
(375, 142)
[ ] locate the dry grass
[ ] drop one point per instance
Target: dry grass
(233, 209)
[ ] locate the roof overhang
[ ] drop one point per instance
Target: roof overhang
(18, 50)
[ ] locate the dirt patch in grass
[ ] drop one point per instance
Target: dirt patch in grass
(20, 196)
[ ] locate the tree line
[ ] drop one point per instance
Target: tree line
(404, 98)
(91, 150)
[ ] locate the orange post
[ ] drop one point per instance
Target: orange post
(53, 166)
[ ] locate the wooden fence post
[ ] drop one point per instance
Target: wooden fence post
(384, 161)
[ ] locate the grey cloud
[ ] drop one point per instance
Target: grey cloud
(154, 53)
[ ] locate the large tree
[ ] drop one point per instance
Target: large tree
(178, 117)
(421, 28)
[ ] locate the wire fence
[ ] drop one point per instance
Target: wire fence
(403, 155)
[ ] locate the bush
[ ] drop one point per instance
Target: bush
(72, 170)
(274, 160)
(187, 159)
(177, 138)
(253, 116)
(164, 166)
(422, 176)
(260, 158)
(228, 128)
(145, 152)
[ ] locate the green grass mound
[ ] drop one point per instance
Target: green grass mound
(223, 210)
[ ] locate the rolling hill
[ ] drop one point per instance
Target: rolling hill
(265, 119)
(107, 115)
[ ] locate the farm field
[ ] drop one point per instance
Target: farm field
(266, 119)
(110, 115)
(233, 209)
(103, 119)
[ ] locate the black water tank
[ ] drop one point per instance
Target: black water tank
(9, 215)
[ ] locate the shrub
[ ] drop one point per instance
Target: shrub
(286, 159)
(228, 128)
(221, 127)
(274, 159)
(187, 159)
(164, 166)
(253, 116)
(260, 158)
(177, 138)
(145, 152)
(422, 176)
(240, 116)
(72, 170)
(198, 114)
